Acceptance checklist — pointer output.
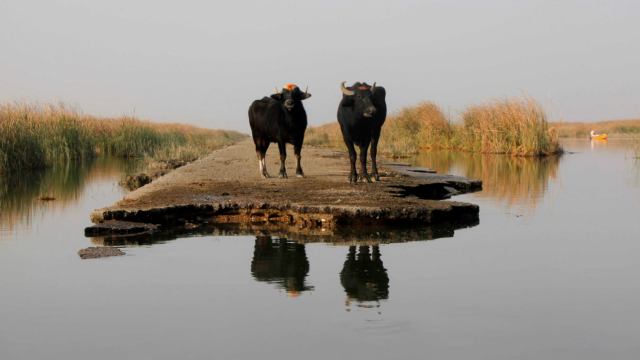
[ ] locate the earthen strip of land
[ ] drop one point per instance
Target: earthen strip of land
(225, 187)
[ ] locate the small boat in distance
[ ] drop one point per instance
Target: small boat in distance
(599, 137)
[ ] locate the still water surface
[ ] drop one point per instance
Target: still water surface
(551, 271)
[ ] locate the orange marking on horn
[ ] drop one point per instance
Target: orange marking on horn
(290, 86)
(363, 88)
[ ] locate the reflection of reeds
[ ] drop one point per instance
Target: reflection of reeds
(636, 149)
(507, 180)
(20, 192)
(515, 126)
(35, 135)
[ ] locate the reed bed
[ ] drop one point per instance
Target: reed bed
(515, 126)
(614, 128)
(34, 135)
(327, 135)
(424, 126)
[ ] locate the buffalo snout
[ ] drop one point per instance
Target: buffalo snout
(370, 111)
(288, 104)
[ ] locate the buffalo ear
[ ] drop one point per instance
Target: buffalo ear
(305, 96)
(347, 101)
(276, 97)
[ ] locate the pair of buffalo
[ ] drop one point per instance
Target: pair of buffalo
(281, 118)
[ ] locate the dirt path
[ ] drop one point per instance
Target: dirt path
(225, 187)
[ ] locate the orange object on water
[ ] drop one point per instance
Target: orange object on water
(600, 137)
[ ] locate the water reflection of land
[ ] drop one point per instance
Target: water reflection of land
(65, 182)
(506, 180)
(280, 257)
(355, 236)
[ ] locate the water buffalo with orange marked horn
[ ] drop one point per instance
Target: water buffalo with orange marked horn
(361, 114)
(279, 118)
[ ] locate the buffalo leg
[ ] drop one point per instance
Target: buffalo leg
(374, 153)
(261, 151)
(296, 150)
(353, 176)
(363, 163)
(283, 157)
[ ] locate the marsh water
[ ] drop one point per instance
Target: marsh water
(550, 271)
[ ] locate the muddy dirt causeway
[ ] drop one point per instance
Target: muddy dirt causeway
(225, 187)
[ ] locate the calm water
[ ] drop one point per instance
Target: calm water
(551, 271)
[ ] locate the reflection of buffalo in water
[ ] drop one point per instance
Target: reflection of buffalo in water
(281, 262)
(364, 277)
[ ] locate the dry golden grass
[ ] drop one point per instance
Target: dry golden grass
(515, 126)
(614, 128)
(424, 126)
(404, 132)
(327, 135)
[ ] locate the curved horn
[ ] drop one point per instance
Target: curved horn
(373, 86)
(276, 89)
(345, 91)
(305, 90)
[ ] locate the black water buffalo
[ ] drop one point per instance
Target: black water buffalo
(361, 113)
(281, 119)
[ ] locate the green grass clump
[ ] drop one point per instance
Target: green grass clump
(36, 135)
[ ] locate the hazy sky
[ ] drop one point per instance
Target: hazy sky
(204, 62)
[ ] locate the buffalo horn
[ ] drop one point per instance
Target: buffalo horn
(305, 90)
(345, 91)
(373, 86)
(276, 90)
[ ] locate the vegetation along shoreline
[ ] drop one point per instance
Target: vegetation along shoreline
(34, 135)
(512, 125)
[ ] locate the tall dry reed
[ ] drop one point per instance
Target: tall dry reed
(424, 126)
(33, 135)
(516, 126)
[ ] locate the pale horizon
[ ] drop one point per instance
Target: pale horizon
(204, 63)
